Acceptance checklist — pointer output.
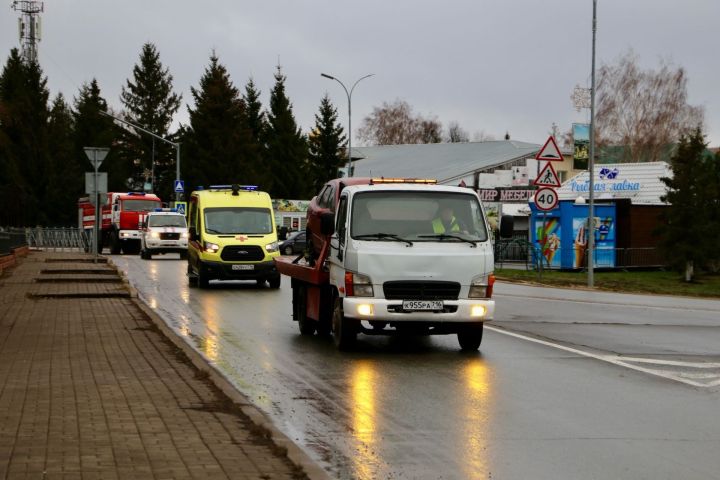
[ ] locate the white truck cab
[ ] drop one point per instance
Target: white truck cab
(411, 257)
(163, 230)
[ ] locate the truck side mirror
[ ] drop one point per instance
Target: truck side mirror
(327, 223)
(192, 233)
(507, 225)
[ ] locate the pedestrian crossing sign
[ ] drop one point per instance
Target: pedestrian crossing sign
(181, 207)
(547, 177)
(179, 186)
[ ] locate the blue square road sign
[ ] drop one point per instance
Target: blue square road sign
(179, 186)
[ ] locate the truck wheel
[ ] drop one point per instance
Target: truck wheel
(344, 329)
(306, 325)
(274, 282)
(202, 279)
(114, 243)
(470, 337)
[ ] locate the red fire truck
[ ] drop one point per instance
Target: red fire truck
(120, 222)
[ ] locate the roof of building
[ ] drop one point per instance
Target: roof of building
(445, 162)
(640, 182)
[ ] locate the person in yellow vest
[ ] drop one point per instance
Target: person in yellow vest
(446, 222)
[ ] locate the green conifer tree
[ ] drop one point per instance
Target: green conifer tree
(95, 130)
(684, 236)
(326, 145)
(150, 103)
(286, 146)
(24, 125)
(66, 181)
(218, 142)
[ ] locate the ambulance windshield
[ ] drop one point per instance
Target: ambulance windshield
(231, 220)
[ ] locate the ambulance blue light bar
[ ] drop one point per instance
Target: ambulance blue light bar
(174, 210)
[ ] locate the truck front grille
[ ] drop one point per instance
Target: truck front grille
(240, 253)
(421, 290)
(169, 236)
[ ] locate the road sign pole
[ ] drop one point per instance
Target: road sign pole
(96, 230)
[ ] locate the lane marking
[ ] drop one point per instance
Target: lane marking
(613, 359)
(613, 304)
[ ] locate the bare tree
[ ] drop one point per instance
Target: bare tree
(456, 134)
(483, 136)
(643, 110)
(396, 124)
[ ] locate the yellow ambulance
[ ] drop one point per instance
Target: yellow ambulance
(232, 236)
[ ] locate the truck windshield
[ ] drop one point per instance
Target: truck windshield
(420, 216)
(167, 221)
(227, 220)
(140, 205)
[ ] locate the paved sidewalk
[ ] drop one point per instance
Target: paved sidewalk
(90, 388)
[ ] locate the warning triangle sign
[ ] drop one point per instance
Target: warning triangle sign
(550, 151)
(548, 177)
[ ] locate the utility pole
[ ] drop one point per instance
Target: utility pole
(29, 27)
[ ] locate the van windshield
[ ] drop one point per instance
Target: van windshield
(418, 216)
(231, 220)
(167, 221)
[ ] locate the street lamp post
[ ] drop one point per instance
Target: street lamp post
(591, 162)
(349, 97)
(176, 145)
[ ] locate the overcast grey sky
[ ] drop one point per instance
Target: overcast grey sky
(491, 65)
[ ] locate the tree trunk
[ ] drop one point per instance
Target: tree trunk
(689, 271)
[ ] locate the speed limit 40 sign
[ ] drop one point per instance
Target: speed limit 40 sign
(546, 199)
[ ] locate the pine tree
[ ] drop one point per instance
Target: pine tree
(256, 121)
(151, 104)
(325, 142)
(286, 146)
(24, 125)
(685, 233)
(95, 130)
(66, 181)
(219, 144)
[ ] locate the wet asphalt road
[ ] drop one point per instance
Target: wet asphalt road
(555, 398)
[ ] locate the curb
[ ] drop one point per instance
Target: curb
(257, 416)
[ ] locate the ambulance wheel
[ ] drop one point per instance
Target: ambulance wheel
(344, 329)
(470, 337)
(192, 279)
(202, 279)
(274, 282)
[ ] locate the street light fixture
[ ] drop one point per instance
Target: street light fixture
(349, 97)
(174, 144)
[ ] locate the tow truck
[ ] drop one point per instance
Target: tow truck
(380, 263)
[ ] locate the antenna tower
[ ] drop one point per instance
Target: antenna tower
(29, 26)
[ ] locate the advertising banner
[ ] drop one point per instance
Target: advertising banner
(581, 139)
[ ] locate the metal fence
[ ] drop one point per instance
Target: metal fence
(57, 239)
(519, 252)
(11, 238)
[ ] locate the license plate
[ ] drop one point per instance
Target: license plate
(243, 267)
(422, 305)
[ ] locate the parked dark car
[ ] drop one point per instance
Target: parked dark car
(295, 243)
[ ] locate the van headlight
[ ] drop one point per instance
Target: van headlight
(481, 286)
(154, 234)
(210, 247)
(272, 247)
(184, 235)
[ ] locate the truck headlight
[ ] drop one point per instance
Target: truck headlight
(482, 286)
(358, 285)
(271, 247)
(211, 247)
(155, 234)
